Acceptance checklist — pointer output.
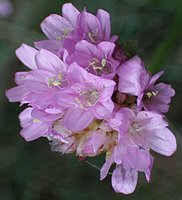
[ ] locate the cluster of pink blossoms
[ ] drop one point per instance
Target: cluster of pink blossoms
(87, 97)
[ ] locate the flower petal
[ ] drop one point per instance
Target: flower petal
(54, 27)
(34, 131)
(104, 19)
(162, 141)
(76, 119)
(133, 78)
(107, 47)
(25, 117)
(51, 45)
(124, 181)
(50, 62)
(155, 78)
(70, 13)
(105, 168)
(27, 56)
(15, 94)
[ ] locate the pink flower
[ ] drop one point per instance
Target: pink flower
(58, 28)
(65, 31)
(95, 28)
(144, 130)
(87, 97)
(138, 133)
(97, 59)
(39, 86)
(129, 161)
(36, 123)
(135, 80)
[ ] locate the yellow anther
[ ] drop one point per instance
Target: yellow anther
(36, 120)
(155, 93)
(91, 37)
(56, 83)
(150, 94)
(103, 62)
(65, 33)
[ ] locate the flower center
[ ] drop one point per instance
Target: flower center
(87, 98)
(65, 33)
(57, 81)
(97, 67)
(135, 128)
(93, 36)
(148, 95)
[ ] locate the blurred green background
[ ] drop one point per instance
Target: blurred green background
(30, 171)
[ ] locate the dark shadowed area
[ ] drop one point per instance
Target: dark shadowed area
(30, 171)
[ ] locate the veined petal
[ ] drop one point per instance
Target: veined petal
(124, 181)
(51, 45)
(104, 19)
(77, 74)
(43, 116)
(107, 47)
(133, 77)
(35, 130)
(103, 111)
(77, 119)
(16, 93)
(89, 23)
(105, 168)
(50, 62)
(25, 117)
(162, 141)
(27, 56)
(155, 78)
(89, 48)
(70, 13)
(20, 77)
(54, 26)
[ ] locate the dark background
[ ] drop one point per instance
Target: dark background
(30, 171)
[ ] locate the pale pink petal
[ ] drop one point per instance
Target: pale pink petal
(51, 45)
(50, 62)
(103, 111)
(88, 23)
(35, 130)
(104, 19)
(162, 141)
(124, 181)
(25, 117)
(88, 48)
(107, 47)
(43, 116)
(70, 13)
(27, 56)
(155, 78)
(105, 168)
(20, 77)
(77, 119)
(16, 93)
(76, 74)
(54, 26)
(133, 77)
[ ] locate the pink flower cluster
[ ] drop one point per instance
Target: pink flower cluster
(87, 97)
